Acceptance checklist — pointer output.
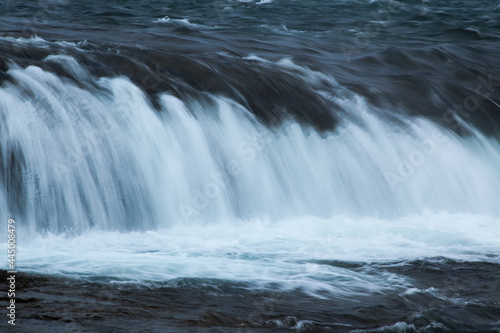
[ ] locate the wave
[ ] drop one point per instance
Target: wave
(183, 22)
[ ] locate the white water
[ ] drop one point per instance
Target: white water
(292, 253)
(221, 196)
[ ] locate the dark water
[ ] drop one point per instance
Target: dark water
(283, 61)
(416, 56)
(451, 296)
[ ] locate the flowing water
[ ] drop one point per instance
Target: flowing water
(343, 155)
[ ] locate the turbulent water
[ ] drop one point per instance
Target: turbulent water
(335, 160)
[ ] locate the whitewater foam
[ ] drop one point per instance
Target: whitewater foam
(287, 254)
